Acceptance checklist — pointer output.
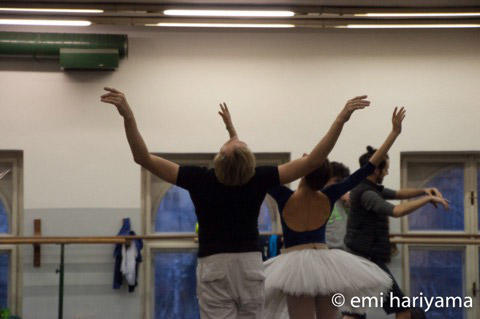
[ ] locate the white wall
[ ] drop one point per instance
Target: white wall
(284, 88)
(88, 292)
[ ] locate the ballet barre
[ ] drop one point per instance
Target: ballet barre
(472, 239)
(417, 239)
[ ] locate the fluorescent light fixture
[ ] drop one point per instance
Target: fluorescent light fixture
(221, 25)
(406, 26)
(74, 23)
(46, 10)
(229, 13)
(426, 14)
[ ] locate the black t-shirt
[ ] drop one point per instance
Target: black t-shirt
(227, 215)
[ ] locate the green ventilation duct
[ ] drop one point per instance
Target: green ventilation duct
(74, 51)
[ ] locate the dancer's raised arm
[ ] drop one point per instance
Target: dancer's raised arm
(335, 191)
(397, 118)
(295, 169)
(227, 119)
(159, 166)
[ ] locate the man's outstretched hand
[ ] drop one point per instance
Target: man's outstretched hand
(118, 99)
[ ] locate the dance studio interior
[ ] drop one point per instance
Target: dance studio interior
(124, 123)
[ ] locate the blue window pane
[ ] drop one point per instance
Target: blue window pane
(4, 274)
(450, 182)
(438, 273)
(175, 285)
(4, 228)
(176, 212)
(264, 219)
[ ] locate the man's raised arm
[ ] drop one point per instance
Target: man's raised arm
(161, 167)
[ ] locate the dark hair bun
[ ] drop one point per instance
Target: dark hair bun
(370, 149)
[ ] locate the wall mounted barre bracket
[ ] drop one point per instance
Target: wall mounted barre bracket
(37, 232)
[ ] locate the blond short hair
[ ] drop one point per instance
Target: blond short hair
(235, 168)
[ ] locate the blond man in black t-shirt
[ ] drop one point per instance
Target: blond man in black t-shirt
(227, 200)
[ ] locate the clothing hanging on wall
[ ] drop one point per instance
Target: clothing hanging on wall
(127, 258)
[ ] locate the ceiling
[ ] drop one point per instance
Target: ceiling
(308, 13)
(272, 3)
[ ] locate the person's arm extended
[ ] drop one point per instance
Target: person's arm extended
(293, 170)
(161, 167)
(227, 119)
(397, 119)
(410, 206)
(406, 193)
(335, 191)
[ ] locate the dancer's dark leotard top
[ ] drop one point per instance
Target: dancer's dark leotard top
(281, 194)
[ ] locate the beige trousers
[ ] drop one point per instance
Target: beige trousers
(231, 285)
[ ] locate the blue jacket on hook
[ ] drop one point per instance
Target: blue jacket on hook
(119, 255)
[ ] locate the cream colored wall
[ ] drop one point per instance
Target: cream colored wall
(284, 89)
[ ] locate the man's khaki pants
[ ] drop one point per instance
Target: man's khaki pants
(231, 285)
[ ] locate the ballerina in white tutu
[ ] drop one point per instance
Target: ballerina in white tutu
(301, 281)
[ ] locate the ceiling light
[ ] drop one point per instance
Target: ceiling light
(51, 10)
(221, 25)
(229, 13)
(406, 26)
(417, 14)
(77, 23)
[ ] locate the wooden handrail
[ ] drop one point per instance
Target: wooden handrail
(60, 240)
(87, 240)
(435, 241)
(449, 239)
(435, 235)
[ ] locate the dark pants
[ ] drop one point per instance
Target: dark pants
(395, 292)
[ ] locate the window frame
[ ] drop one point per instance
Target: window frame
(406, 261)
(201, 159)
(14, 285)
(150, 250)
(15, 158)
(438, 157)
(471, 275)
(471, 161)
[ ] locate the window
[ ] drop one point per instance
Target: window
(169, 211)
(4, 218)
(4, 274)
(175, 212)
(11, 190)
(8, 278)
(449, 178)
(175, 283)
(267, 215)
(439, 270)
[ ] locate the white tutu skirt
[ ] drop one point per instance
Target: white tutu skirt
(321, 272)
